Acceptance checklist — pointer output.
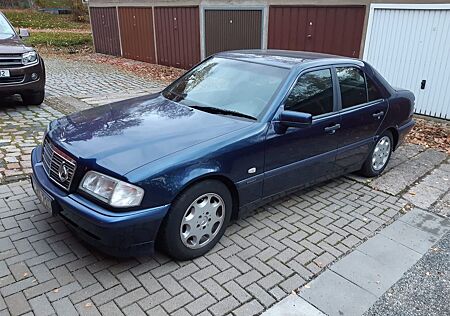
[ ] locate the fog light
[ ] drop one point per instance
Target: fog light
(34, 76)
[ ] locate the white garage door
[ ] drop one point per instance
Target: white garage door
(410, 46)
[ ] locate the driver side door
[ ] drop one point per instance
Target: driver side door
(300, 156)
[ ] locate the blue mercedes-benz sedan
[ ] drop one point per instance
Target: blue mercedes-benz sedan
(241, 128)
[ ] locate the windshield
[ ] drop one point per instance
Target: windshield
(228, 85)
(5, 29)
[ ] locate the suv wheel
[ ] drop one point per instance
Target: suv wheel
(33, 98)
(197, 220)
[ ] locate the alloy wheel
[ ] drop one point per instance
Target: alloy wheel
(202, 220)
(381, 153)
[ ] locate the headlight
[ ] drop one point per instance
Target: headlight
(112, 191)
(29, 58)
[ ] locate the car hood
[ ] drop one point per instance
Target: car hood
(126, 135)
(12, 45)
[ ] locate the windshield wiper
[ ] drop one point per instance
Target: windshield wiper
(214, 110)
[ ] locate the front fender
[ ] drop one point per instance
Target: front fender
(228, 157)
(164, 187)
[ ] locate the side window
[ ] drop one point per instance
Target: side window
(374, 93)
(313, 93)
(353, 86)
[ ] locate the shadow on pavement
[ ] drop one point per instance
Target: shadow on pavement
(11, 101)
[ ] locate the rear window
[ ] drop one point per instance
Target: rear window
(372, 90)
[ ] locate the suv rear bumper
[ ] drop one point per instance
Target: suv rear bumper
(26, 85)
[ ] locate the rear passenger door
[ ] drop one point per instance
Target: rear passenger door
(362, 110)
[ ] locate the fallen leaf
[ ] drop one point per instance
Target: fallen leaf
(88, 305)
(412, 193)
(430, 134)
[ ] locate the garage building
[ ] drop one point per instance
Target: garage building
(407, 41)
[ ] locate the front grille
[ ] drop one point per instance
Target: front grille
(59, 167)
(10, 60)
(12, 79)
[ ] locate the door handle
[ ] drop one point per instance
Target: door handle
(378, 115)
(332, 129)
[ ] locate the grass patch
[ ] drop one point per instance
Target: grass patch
(40, 20)
(59, 39)
(54, 3)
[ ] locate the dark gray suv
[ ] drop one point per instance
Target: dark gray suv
(22, 70)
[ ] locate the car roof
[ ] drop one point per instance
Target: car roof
(284, 58)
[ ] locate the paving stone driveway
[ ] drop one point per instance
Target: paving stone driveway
(45, 269)
(260, 260)
(92, 83)
(21, 128)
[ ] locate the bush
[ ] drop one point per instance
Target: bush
(59, 39)
(53, 3)
(21, 4)
(40, 20)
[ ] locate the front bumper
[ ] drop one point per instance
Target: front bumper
(119, 234)
(25, 85)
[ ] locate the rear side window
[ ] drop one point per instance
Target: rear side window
(373, 92)
(313, 93)
(353, 86)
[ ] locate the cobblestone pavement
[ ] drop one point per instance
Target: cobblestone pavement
(75, 85)
(21, 128)
(71, 86)
(260, 260)
(45, 269)
(93, 83)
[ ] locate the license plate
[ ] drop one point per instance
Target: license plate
(4, 74)
(46, 200)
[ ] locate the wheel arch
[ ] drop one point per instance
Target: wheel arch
(395, 136)
(221, 178)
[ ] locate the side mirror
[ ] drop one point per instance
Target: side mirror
(24, 33)
(295, 119)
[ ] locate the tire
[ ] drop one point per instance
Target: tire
(34, 98)
(190, 217)
(382, 155)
